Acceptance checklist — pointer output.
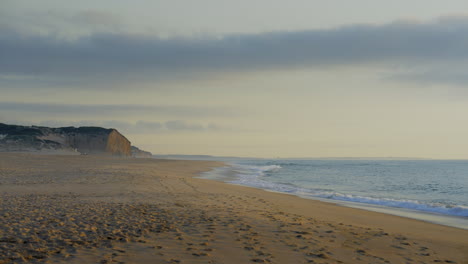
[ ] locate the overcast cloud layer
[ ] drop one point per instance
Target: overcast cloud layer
(103, 55)
(139, 127)
(113, 109)
(263, 78)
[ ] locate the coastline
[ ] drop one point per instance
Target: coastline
(136, 210)
(229, 174)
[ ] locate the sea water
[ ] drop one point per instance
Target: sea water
(430, 190)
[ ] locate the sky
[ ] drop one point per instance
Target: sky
(256, 78)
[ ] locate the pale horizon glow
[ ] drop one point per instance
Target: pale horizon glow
(254, 79)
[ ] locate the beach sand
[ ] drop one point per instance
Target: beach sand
(88, 209)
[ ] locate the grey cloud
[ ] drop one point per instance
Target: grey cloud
(450, 75)
(57, 123)
(96, 18)
(181, 125)
(149, 126)
(115, 109)
(104, 55)
(60, 23)
(140, 127)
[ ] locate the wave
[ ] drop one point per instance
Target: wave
(255, 170)
(440, 208)
(254, 176)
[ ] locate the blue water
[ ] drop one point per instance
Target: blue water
(428, 186)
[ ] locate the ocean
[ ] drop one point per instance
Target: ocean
(429, 190)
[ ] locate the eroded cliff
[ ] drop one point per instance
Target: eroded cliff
(117, 144)
(85, 140)
(138, 153)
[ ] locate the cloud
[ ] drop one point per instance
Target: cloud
(111, 55)
(139, 127)
(449, 75)
(113, 109)
(95, 18)
(181, 125)
(65, 24)
(148, 126)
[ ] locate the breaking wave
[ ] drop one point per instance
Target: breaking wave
(255, 176)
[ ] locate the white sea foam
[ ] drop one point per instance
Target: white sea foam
(254, 176)
(256, 169)
(455, 210)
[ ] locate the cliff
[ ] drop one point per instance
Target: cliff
(86, 140)
(138, 153)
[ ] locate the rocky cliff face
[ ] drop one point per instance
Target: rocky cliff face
(118, 144)
(86, 140)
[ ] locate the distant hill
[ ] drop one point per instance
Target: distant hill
(84, 140)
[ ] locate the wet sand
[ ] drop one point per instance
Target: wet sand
(86, 209)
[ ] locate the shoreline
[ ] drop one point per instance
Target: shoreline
(339, 204)
(225, 175)
(459, 222)
(83, 209)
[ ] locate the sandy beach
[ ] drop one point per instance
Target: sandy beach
(96, 209)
